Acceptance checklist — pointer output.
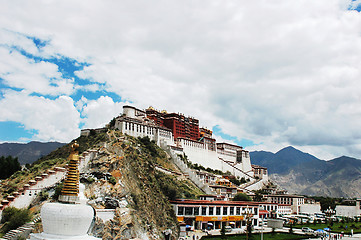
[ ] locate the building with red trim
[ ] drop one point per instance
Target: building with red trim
(294, 200)
(181, 126)
(212, 214)
(205, 214)
(184, 137)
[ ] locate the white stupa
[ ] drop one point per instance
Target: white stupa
(71, 218)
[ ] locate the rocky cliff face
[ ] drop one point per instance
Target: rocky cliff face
(141, 193)
(124, 176)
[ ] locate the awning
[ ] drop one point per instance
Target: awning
(263, 212)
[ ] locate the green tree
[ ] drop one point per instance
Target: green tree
(258, 197)
(241, 197)
(235, 181)
(8, 166)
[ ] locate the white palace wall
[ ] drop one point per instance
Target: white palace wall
(141, 130)
(245, 165)
(134, 124)
(199, 153)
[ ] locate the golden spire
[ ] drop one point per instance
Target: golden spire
(69, 193)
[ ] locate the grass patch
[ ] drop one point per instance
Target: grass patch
(335, 228)
(268, 236)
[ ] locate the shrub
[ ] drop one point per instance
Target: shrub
(57, 192)
(44, 195)
(112, 180)
(89, 180)
(14, 218)
(149, 145)
(241, 197)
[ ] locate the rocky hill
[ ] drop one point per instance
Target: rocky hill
(125, 176)
(28, 152)
(302, 173)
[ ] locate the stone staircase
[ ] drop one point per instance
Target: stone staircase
(21, 232)
(236, 168)
(254, 185)
(188, 172)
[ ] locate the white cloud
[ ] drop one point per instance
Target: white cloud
(278, 73)
(19, 71)
(54, 120)
(99, 112)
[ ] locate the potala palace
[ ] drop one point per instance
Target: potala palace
(181, 135)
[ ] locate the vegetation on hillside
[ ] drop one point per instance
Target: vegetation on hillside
(13, 218)
(200, 167)
(141, 157)
(55, 158)
(8, 165)
(134, 165)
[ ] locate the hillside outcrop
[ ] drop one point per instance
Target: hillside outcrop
(124, 176)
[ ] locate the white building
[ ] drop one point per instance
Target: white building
(135, 123)
(349, 211)
(218, 158)
(310, 208)
(293, 200)
(203, 214)
(205, 151)
(284, 209)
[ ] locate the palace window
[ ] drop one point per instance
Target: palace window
(180, 211)
(211, 209)
(196, 211)
(218, 210)
(189, 211)
(231, 211)
(204, 211)
(225, 210)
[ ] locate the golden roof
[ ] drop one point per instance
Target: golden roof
(71, 182)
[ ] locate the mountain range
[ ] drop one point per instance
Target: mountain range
(28, 152)
(302, 173)
(291, 169)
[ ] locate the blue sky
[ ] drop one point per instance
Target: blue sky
(263, 75)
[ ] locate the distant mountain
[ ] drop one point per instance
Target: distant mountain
(282, 161)
(28, 152)
(302, 173)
